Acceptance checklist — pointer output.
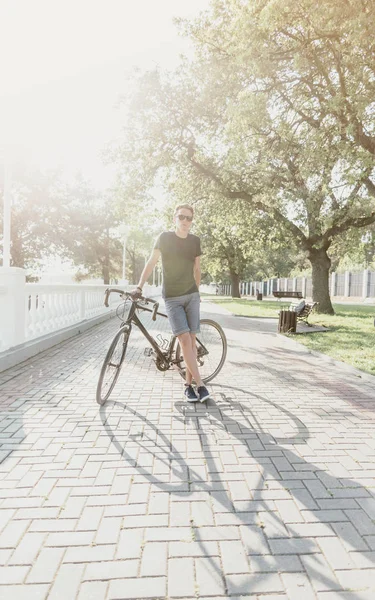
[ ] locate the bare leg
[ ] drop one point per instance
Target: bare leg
(189, 353)
(189, 377)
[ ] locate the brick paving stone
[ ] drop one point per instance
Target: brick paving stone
(90, 518)
(143, 587)
(193, 548)
(93, 590)
(5, 554)
(270, 597)
(335, 553)
(109, 530)
(289, 511)
(297, 586)
(83, 554)
(24, 592)
(181, 582)
(268, 563)
(201, 513)
(349, 536)
(293, 546)
(28, 549)
(321, 575)
(358, 595)
(5, 517)
(257, 583)
(13, 533)
(46, 565)
(254, 540)
(154, 559)
(12, 575)
(130, 543)
(103, 571)
(67, 582)
(363, 560)
(233, 557)
(361, 521)
(209, 577)
(357, 579)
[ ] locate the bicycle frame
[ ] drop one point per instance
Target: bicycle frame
(164, 357)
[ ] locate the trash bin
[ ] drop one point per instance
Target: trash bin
(287, 321)
(259, 296)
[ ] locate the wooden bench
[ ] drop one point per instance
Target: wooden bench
(303, 314)
(287, 294)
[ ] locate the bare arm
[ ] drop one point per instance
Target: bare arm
(149, 267)
(197, 270)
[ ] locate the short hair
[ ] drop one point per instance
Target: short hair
(187, 206)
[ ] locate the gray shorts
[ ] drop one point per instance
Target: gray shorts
(183, 313)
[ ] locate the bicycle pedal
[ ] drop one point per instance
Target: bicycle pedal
(148, 351)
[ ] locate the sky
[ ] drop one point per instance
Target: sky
(63, 67)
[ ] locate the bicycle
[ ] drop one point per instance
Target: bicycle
(211, 346)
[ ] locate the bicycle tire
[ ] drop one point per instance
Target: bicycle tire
(213, 338)
(109, 369)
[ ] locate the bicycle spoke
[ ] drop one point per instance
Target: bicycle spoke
(211, 350)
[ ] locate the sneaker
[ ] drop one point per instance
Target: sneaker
(190, 394)
(203, 393)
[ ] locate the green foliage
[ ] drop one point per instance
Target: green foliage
(89, 236)
(35, 217)
(275, 110)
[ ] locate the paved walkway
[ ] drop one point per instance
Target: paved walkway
(267, 493)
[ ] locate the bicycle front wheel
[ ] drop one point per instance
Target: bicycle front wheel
(211, 350)
(112, 365)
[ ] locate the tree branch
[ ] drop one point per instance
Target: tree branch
(247, 196)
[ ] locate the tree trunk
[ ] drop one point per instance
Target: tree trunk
(134, 269)
(235, 281)
(16, 252)
(105, 273)
(106, 261)
(321, 264)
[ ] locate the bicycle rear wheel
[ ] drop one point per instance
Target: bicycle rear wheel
(112, 365)
(211, 350)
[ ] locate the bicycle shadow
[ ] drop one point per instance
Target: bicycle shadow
(251, 514)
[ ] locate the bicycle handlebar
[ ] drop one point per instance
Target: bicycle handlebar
(128, 295)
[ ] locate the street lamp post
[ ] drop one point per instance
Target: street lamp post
(123, 231)
(123, 258)
(7, 215)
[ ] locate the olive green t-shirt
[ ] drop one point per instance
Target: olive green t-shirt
(178, 256)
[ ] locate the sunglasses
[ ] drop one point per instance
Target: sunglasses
(183, 217)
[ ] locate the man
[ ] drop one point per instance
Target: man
(180, 252)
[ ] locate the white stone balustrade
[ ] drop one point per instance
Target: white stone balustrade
(53, 307)
(29, 311)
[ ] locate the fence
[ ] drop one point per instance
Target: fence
(359, 284)
(29, 311)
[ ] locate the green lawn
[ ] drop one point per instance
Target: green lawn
(351, 335)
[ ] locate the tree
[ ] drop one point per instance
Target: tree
(276, 110)
(90, 239)
(235, 243)
(138, 248)
(35, 218)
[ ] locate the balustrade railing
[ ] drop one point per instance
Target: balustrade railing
(53, 307)
(29, 311)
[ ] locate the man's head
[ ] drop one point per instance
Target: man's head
(183, 217)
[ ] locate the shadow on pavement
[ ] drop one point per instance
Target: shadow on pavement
(263, 525)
